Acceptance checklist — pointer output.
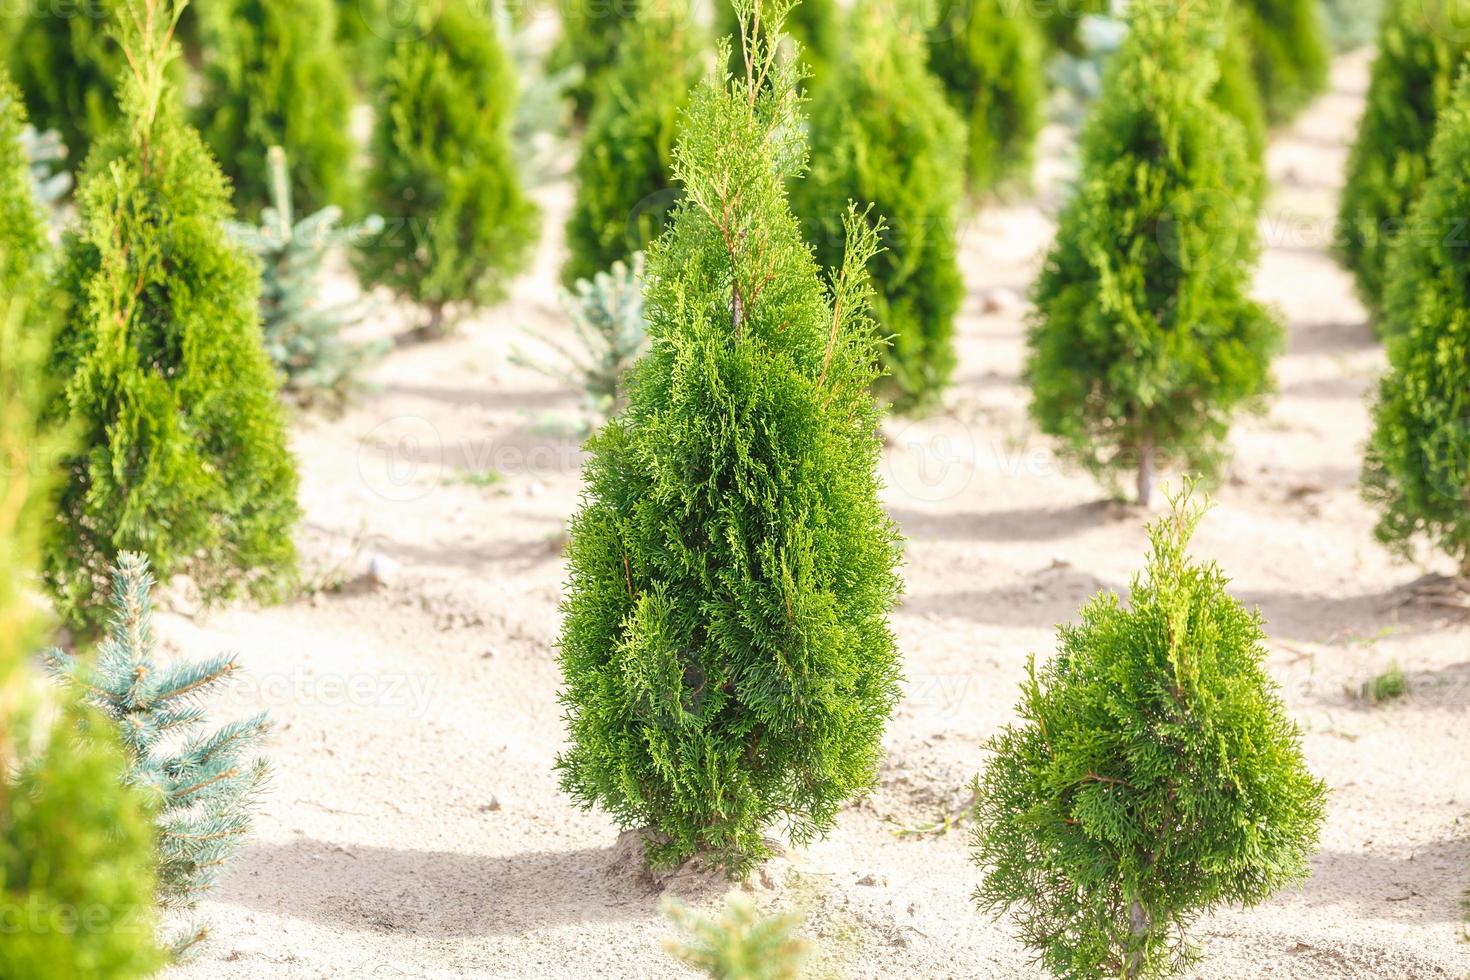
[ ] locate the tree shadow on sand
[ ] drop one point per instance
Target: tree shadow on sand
(436, 893)
(1019, 525)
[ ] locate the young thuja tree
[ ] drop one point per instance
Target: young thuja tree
(302, 334)
(883, 134)
(725, 651)
(1412, 79)
(1237, 92)
(1144, 342)
(740, 944)
(458, 226)
(1154, 775)
(64, 64)
(591, 36)
(274, 76)
(624, 187)
(182, 450)
(606, 313)
(72, 838)
(1417, 470)
(1288, 43)
(989, 55)
(206, 781)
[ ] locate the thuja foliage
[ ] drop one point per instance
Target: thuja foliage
(1289, 48)
(814, 29)
(1412, 79)
(274, 76)
(989, 55)
(1237, 92)
(740, 944)
(206, 781)
(65, 67)
(624, 186)
(1417, 469)
(1145, 342)
(591, 36)
(1154, 775)
(606, 314)
(183, 449)
(725, 651)
(883, 134)
(302, 333)
(72, 839)
(458, 225)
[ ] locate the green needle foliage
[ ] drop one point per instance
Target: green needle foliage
(458, 225)
(741, 944)
(591, 37)
(1412, 80)
(76, 861)
(725, 650)
(1145, 342)
(624, 187)
(183, 448)
(883, 134)
(64, 63)
(1290, 50)
(1154, 776)
(274, 76)
(303, 335)
(1417, 470)
(1237, 92)
(206, 783)
(989, 55)
(813, 26)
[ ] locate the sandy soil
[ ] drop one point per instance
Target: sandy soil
(415, 829)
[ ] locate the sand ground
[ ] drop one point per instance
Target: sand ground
(415, 828)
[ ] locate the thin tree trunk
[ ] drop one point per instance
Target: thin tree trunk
(431, 330)
(1145, 471)
(1140, 925)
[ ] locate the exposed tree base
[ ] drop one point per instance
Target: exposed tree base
(437, 328)
(1440, 592)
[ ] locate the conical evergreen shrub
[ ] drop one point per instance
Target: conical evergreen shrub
(883, 134)
(1290, 51)
(591, 37)
(72, 838)
(1144, 342)
(183, 449)
(274, 76)
(624, 189)
(1417, 470)
(989, 55)
(814, 27)
(1237, 92)
(1412, 79)
(458, 226)
(1154, 776)
(65, 67)
(727, 664)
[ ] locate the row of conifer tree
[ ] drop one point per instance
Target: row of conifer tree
(726, 651)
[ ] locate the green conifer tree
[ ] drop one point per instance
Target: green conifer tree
(814, 27)
(206, 783)
(1237, 92)
(1417, 470)
(725, 650)
(302, 334)
(183, 449)
(274, 76)
(741, 944)
(1289, 48)
(624, 190)
(65, 67)
(591, 37)
(989, 55)
(1411, 81)
(883, 134)
(1061, 20)
(72, 839)
(1145, 342)
(458, 226)
(1154, 775)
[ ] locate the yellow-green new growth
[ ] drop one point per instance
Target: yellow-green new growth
(741, 944)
